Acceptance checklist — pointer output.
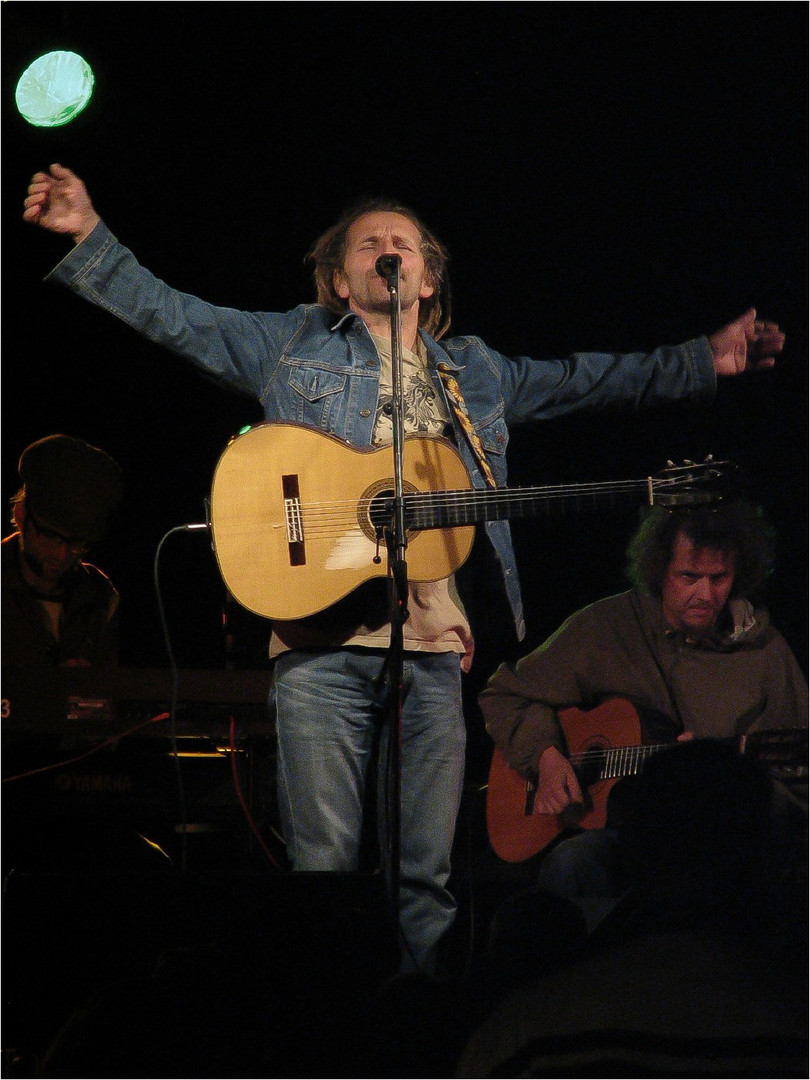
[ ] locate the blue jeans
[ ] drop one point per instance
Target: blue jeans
(330, 716)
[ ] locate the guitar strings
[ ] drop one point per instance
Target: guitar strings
(342, 513)
(441, 509)
(618, 760)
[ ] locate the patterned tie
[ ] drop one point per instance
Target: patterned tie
(463, 417)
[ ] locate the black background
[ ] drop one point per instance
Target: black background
(606, 176)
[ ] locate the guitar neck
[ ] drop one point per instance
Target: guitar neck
(443, 509)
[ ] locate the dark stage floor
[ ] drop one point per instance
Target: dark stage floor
(127, 953)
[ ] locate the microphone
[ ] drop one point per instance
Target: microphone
(388, 265)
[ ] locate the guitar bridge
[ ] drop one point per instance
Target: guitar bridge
(292, 517)
(292, 514)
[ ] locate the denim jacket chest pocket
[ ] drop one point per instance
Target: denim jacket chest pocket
(315, 394)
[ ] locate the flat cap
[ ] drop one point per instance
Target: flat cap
(72, 486)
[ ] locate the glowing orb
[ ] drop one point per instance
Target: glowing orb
(54, 89)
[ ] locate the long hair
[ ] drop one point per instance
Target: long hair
(737, 528)
(329, 252)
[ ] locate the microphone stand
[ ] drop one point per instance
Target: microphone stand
(388, 267)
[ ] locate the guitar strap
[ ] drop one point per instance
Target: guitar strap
(462, 415)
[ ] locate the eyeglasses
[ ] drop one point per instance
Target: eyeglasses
(72, 543)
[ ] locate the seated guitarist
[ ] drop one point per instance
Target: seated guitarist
(689, 643)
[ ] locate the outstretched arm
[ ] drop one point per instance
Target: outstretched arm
(57, 200)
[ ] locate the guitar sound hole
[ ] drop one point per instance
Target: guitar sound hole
(381, 510)
(378, 500)
(591, 768)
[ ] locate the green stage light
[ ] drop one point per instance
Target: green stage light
(54, 89)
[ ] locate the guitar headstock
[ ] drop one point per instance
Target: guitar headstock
(694, 483)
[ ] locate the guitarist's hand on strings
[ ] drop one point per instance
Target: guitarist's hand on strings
(557, 784)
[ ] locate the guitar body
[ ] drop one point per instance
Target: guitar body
(517, 834)
(275, 472)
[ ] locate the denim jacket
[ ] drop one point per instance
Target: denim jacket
(311, 367)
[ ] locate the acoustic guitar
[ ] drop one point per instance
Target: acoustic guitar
(300, 518)
(605, 744)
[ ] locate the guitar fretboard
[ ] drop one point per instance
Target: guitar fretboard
(436, 510)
